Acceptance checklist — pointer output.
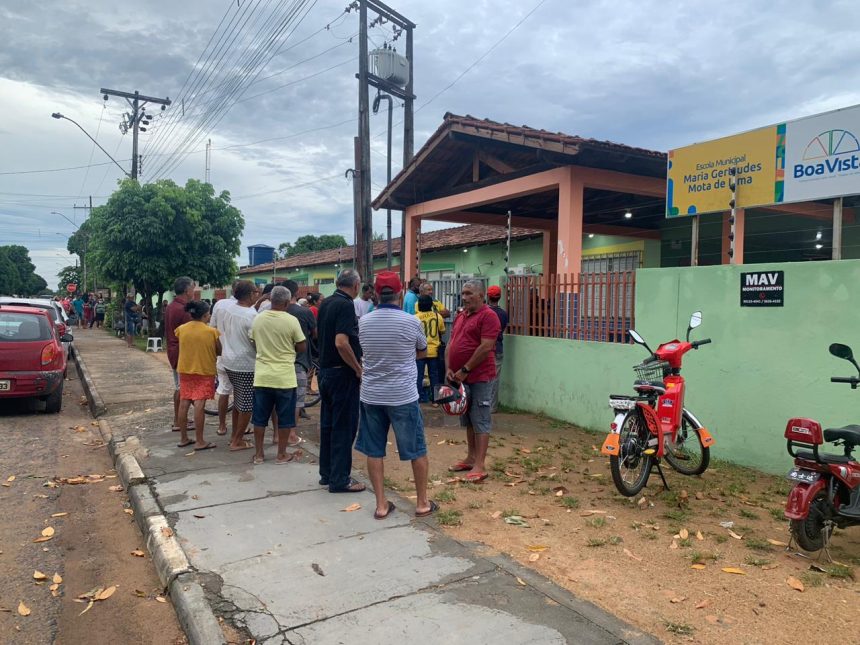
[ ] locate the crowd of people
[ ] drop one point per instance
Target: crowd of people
(373, 344)
(85, 310)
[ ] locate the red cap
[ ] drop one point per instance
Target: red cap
(387, 279)
(494, 291)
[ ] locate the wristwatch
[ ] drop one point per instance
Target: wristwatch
(464, 369)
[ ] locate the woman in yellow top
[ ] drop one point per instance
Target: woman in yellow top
(198, 348)
(434, 327)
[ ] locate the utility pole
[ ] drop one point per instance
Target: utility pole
(89, 210)
(136, 101)
(389, 76)
(208, 160)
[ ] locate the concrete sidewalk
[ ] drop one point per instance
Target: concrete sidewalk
(279, 559)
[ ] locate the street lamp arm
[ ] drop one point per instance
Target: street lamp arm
(57, 115)
(65, 218)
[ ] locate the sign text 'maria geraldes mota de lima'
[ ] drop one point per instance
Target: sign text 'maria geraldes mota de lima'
(816, 157)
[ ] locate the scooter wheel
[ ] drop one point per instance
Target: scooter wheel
(809, 532)
(631, 467)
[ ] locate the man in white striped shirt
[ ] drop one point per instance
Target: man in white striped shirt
(391, 340)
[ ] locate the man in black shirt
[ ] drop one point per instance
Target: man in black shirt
(340, 378)
(303, 360)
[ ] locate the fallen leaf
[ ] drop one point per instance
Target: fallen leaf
(776, 542)
(703, 604)
(59, 514)
(10, 478)
(116, 488)
(317, 569)
(199, 517)
(537, 548)
(794, 583)
(54, 587)
(89, 606)
(520, 581)
(139, 593)
(44, 538)
(735, 535)
(525, 451)
(516, 520)
(769, 567)
(642, 501)
(534, 557)
(698, 566)
(590, 512)
(128, 511)
(160, 599)
(630, 554)
(441, 443)
(496, 515)
(38, 575)
(166, 531)
(727, 525)
(106, 593)
(138, 553)
(674, 544)
(699, 535)
(560, 491)
(734, 570)
(57, 579)
(48, 531)
(675, 601)
(684, 533)
(351, 508)
(700, 495)
(195, 497)
(23, 610)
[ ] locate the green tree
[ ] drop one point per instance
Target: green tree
(17, 273)
(310, 243)
(149, 235)
(69, 275)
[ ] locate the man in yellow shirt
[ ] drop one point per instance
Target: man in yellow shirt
(277, 337)
(434, 327)
(426, 289)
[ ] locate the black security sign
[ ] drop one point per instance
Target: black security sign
(763, 289)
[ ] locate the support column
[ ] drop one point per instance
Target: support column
(571, 191)
(409, 252)
(694, 241)
(550, 246)
(738, 257)
(837, 229)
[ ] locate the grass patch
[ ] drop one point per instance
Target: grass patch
(757, 562)
(499, 466)
(597, 522)
(680, 629)
(510, 512)
(595, 542)
(615, 539)
(686, 543)
(811, 579)
(533, 463)
(475, 505)
(677, 515)
(703, 557)
(569, 502)
(757, 544)
(747, 514)
(389, 483)
(841, 571)
(446, 496)
(777, 513)
(449, 517)
(648, 535)
(719, 538)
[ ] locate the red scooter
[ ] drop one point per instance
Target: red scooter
(826, 491)
(655, 424)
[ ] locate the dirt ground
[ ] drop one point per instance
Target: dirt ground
(658, 560)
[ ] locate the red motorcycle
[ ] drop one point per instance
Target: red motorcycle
(655, 424)
(826, 491)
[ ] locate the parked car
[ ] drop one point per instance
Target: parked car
(61, 318)
(32, 357)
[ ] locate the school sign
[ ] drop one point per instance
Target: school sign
(816, 157)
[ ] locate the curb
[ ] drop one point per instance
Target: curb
(96, 403)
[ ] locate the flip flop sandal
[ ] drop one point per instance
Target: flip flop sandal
(460, 466)
(208, 446)
(244, 446)
(433, 508)
(257, 461)
(350, 487)
(185, 444)
(391, 509)
(297, 443)
(219, 433)
(475, 478)
(281, 462)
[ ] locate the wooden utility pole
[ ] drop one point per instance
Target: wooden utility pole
(136, 101)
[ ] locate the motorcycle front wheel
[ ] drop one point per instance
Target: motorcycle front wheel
(809, 532)
(631, 467)
(687, 455)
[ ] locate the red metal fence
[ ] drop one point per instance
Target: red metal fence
(585, 306)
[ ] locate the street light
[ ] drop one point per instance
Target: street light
(57, 115)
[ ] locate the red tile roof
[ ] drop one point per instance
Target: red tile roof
(458, 236)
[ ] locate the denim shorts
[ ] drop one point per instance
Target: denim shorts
(408, 427)
(479, 416)
(281, 400)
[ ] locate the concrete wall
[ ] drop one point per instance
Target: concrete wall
(764, 366)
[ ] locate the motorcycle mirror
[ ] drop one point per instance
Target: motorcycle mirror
(695, 319)
(636, 337)
(842, 351)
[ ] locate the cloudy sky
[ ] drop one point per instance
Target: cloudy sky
(651, 73)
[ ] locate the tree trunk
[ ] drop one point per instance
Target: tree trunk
(160, 312)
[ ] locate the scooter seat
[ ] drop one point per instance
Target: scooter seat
(822, 457)
(849, 434)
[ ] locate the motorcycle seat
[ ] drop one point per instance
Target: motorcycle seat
(822, 457)
(849, 434)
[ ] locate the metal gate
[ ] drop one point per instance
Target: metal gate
(447, 291)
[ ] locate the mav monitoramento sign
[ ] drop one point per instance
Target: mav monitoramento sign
(763, 289)
(817, 157)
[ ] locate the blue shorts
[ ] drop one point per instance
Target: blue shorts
(408, 427)
(281, 400)
(130, 328)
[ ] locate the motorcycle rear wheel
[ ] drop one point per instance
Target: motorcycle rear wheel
(688, 456)
(809, 532)
(631, 467)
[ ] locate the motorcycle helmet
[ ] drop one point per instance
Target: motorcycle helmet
(453, 401)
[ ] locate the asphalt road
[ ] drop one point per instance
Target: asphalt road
(92, 542)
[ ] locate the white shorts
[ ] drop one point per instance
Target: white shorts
(224, 384)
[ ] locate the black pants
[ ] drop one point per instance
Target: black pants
(339, 390)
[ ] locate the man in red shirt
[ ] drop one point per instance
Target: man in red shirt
(174, 316)
(470, 359)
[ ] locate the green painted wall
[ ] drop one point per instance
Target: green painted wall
(764, 366)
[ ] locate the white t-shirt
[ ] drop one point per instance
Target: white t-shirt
(237, 352)
(362, 306)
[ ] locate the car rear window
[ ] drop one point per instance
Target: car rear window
(15, 327)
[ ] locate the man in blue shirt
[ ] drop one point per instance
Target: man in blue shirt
(410, 298)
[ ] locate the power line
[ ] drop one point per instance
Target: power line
(282, 190)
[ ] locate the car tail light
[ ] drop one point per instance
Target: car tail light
(49, 353)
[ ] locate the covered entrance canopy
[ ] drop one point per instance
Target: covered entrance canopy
(473, 171)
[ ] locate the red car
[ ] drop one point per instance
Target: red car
(32, 360)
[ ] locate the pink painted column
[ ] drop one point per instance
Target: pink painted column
(550, 246)
(409, 254)
(739, 238)
(571, 191)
